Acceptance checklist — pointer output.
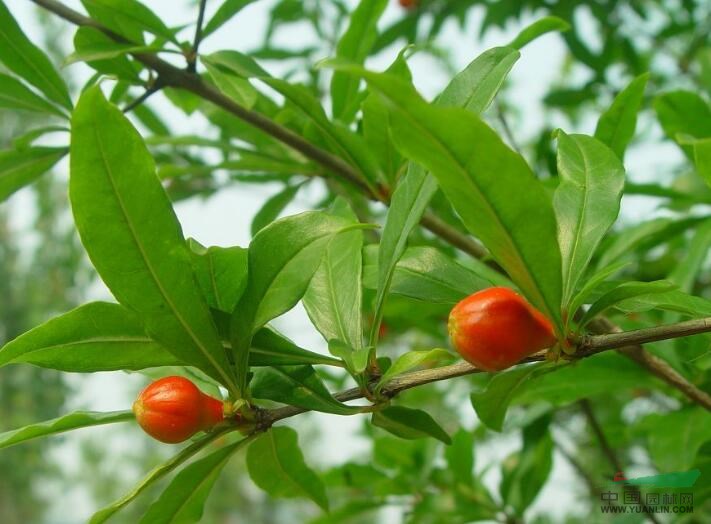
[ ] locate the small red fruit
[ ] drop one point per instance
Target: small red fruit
(173, 409)
(495, 328)
(409, 4)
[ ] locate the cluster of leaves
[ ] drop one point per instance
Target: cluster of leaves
(208, 309)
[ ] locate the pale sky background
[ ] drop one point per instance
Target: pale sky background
(224, 220)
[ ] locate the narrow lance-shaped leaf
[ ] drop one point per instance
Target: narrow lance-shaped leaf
(616, 125)
(276, 465)
(184, 499)
(531, 466)
(15, 95)
(334, 297)
(689, 267)
(282, 259)
(133, 237)
(425, 273)
(273, 207)
(129, 18)
(490, 186)
(586, 202)
(269, 348)
(297, 386)
(227, 10)
(25, 59)
(701, 155)
(472, 88)
(98, 336)
(492, 403)
(337, 137)
(106, 55)
(684, 113)
(77, 420)
(539, 28)
(354, 46)
(154, 476)
(624, 291)
(19, 168)
(221, 273)
(411, 360)
(409, 423)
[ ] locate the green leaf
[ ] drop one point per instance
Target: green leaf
(690, 265)
(376, 125)
(154, 476)
(297, 386)
(592, 284)
(133, 237)
(526, 472)
(15, 95)
(473, 88)
(476, 85)
(282, 259)
(227, 10)
(616, 126)
(540, 27)
(221, 273)
(425, 273)
(701, 149)
(460, 457)
(334, 297)
(675, 301)
(76, 420)
(184, 499)
(586, 378)
(105, 54)
(338, 138)
(356, 360)
(676, 450)
(19, 168)
(276, 465)
(269, 348)
(128, 18)
(97, 336)
(491, 404)
(586, 202)
(25, 59)
(409, 423)
(354, 46)
(624, 291)
(684, 113)
(237, 88)
(412, 359)
(273, 207)
(489, 185)
(652, 232)
(409, 201)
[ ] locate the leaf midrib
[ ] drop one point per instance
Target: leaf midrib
(148, 264)
(489, 208)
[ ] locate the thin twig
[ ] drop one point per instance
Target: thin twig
(506, 128)
(643, 336)
(175, 77)
(192, 59)
(146, 94)
(609, 453)
(607, 450)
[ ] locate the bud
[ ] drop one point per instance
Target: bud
(173, 409)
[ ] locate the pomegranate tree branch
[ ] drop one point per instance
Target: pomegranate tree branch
(590, 345)
(180, 78)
